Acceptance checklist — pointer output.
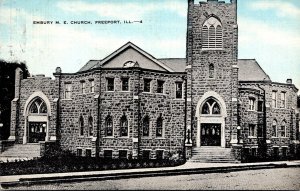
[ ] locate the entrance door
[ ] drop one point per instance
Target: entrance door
(210, 134)
(37, 132)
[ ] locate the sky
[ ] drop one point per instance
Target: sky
(268, 32)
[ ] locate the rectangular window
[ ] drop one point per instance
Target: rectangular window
(92, 87)
(79, 152)
(179, 90)
(110, 82)
(252, 130)
(122, 154)
(146, 154)
(283, 130)
(260, 106)
(82, 87)
(282, 99)
(159, 154)
(260, 130)
(108, 154)
(253, 151)
(284, 151)
(147, 85)
(160, 86)
(274, 99)
(275, 151)
(88, 152)
(68, 91)
(125, 84)
(251, 104)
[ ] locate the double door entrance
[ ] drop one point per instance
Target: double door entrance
(210, 134)
(37, 131)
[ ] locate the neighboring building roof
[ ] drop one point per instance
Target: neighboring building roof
(250, 70)
(89, 65)
(177, 64)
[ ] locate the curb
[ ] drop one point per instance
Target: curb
(124, 175)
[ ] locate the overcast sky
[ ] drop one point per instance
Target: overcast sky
(268, 32)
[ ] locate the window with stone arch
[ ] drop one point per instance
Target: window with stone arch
(283, 129)
(274, 128)
(124, 126)
(109, 129)
(90, 126)
(38, 106)
(212, 34)
(81, 126)
(146, 126)
(211, 71)
(159, 127)
(211, 107)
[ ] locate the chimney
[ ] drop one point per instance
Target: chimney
(289, 81)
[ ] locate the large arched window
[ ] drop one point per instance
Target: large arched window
(81, 125)
(283, 129)
(109, 130)
(124, 126)
(159, 127)
(211, 107)
(146, 126)
(38, 106)
(212, 34)
(90, 126)
(274, 128)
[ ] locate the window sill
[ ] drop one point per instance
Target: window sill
(147, 92)
(125, 91)
(110, 91)
(252, 137)
(110, 137)
(66, 99)
(123, 137)
(179, 99)
(160, 138)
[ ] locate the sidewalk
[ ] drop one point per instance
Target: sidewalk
(187, 168)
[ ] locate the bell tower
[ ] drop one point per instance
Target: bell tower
(212, 72)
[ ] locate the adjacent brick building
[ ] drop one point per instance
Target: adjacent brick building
(131, 104)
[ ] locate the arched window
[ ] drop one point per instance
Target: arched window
(274, 128)
(90, 126)
(211, 107)
(109, 126)
(283, 129)
(146, 126)
(124, 126)
(38, 107)
(81, 125)
(159, 127)
(212, 34)
(211, 71)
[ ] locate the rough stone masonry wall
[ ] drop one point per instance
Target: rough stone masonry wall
(280, 114)
(118, 103)
(29, 86)
(85, 105)
(225, 81)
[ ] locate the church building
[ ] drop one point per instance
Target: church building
(133, 105)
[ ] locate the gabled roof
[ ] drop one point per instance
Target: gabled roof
(129, 45)
(177, 64)
(250, 70)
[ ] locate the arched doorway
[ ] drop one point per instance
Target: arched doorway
(211, 113)
(37, 109)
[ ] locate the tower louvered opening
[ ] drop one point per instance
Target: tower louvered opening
(212, 34)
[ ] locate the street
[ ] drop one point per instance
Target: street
(266, 179)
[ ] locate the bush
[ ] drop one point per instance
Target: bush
(67, 162)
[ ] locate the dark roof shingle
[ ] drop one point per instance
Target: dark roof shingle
(250, 70)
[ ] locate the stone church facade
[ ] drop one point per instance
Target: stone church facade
(131, 104)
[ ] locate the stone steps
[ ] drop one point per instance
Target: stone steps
(20, 151)
(212, 155)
